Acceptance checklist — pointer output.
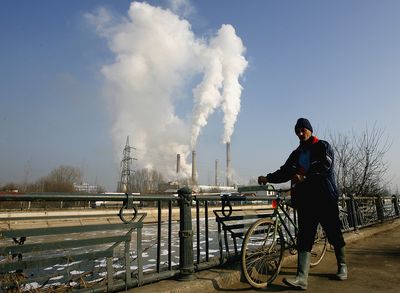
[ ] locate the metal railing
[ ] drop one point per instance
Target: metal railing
(360, 212)
(112, 250)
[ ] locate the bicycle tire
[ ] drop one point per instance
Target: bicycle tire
(319, 248)
(262, 253)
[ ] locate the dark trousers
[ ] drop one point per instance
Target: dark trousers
(323, 211)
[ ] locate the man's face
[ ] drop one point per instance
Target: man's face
(303, 133)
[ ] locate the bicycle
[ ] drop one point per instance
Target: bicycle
(267, 239)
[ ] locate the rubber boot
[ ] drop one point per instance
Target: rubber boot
(341, 263)
(303, 267)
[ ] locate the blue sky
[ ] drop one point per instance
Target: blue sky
(334, 62)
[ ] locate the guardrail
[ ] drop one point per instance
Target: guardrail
(359, 212)
(120, 250)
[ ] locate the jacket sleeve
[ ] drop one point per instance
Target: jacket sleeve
(286, 172)
(322, 163)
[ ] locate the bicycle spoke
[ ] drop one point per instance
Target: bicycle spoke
(262, 253)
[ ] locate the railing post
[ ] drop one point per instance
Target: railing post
(395, 201)
(186, 265)
(379, 208)
(353, 212)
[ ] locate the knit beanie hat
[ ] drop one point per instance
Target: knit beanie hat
(303, 123)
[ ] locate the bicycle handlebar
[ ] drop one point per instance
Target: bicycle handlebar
(280, 190)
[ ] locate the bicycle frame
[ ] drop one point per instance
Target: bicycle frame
(283, 219)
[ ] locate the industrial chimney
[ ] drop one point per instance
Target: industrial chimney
(194, 173)
(228, 164)
(178, 163)
(216, 173)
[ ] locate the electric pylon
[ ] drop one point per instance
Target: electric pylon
(126, 168)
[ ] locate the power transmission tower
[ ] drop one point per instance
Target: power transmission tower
(126, 168)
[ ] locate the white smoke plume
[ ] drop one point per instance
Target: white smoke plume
(157, 55)
(225, 64)
(234, 65)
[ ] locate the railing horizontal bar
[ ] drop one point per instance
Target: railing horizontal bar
(159, 276)
(234, 198)
(21, 265)
(69, 229)
(81, 197)
(61, 196)
(238, 226)
(54, 214)
(120, 285)
(60, 216)
(213, 262)
(243, 217)
(36, 247)
(47, 215)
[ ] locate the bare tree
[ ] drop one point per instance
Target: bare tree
(146, 181)
(65, 174)
(360, 165)
(61, 179)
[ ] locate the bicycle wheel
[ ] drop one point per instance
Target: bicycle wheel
(262, 253)
(319, 247)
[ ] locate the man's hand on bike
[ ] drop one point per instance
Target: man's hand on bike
(262, 180)
(297, 178)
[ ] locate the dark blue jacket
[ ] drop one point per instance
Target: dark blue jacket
(319, 179)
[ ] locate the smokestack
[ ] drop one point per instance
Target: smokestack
(216, 173)
(178, 163)
(194, 173)
(228, 164)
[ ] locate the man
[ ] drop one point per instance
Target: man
(315, 195)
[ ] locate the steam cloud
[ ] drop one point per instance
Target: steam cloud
(157, 56)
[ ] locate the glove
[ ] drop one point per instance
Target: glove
(262, 180)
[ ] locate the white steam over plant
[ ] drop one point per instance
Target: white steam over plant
(157, 56)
